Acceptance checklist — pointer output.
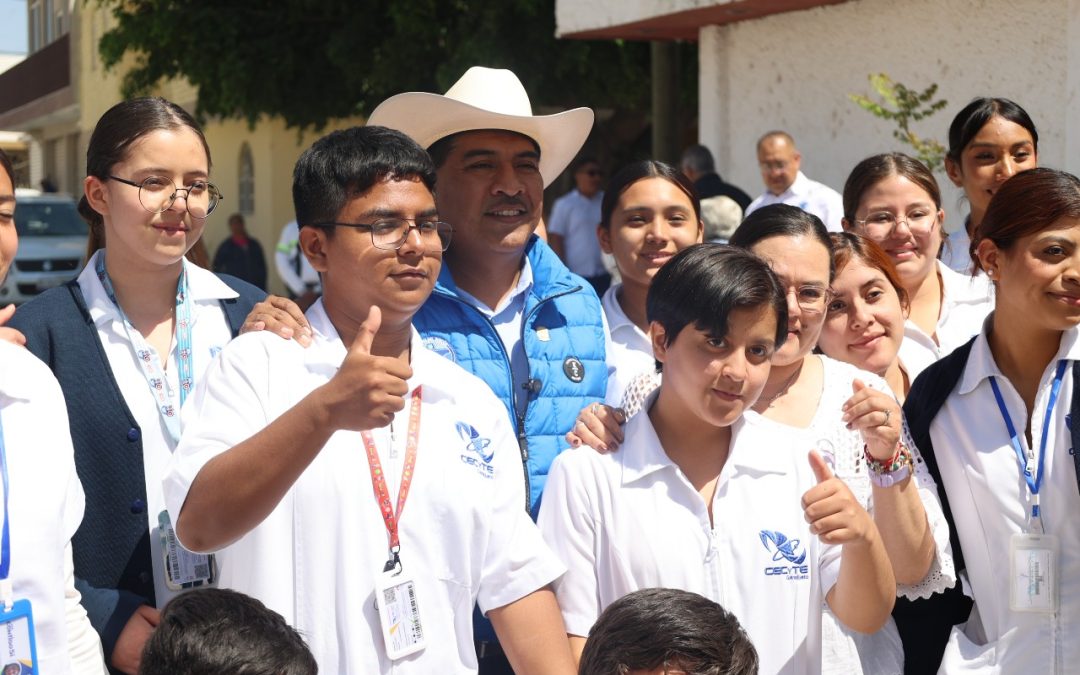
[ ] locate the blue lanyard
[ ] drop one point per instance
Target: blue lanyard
(144, 353)
(5, 535)
(1034, 482)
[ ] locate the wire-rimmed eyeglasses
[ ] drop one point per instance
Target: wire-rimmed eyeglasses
(390, 233)
(157, 194)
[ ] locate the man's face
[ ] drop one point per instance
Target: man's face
(779, 163)
(589, 178)
(490, 189)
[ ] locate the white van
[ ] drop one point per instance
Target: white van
(52, 245)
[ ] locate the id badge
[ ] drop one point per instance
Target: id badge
(18, 646)
(399, 615)
(1033, 562)
(183, 569)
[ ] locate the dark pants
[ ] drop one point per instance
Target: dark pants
(492, 659)
(600, 283)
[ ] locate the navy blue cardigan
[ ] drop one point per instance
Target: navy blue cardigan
(112, 546)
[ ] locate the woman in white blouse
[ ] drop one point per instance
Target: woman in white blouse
(894, 200)
(1001, 415)
(816, 402)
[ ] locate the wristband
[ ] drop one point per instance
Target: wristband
(888, 473)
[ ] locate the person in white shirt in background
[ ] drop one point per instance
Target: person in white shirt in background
(43, 500)
(283, 440)
(990, 141)
(571, 226)
(686, 503)
(299, 277)
(894, 200)
(780, 162)
(650, 212)
(999, 418)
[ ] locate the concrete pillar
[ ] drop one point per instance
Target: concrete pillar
(1072, 89)
(714, 123)
(665, 102)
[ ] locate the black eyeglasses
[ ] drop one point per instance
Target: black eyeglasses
(390, 233)
(157, 194)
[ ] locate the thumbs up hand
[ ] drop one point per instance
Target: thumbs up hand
(832, 510)
(367, 390)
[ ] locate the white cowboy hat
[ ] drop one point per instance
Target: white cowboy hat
(487, 98)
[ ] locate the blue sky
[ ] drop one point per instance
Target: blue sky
(13, 26)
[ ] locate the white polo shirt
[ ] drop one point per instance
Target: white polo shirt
(630, 520)
(845, 650)
(574, 217)
(209, 333)
(629, 352)
(810, 196)
(965, 302)
(315, 559)
(990, 502)
(45, 505)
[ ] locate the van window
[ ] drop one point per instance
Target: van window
(48, 219)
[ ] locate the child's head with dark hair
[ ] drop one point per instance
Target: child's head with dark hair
(345, 164)
(216, 631)
(716, 316)
(702, 285)
(669, 629)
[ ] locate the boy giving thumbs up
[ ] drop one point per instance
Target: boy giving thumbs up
(366, 488)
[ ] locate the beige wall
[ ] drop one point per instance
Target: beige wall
(794, 71)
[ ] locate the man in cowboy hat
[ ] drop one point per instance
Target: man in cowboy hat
(505, 307)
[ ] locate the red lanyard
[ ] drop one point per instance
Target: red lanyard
(378, 478)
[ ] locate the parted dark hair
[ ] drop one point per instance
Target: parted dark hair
(782, 220)
(345, 164)
(647, 629)
(848, 246)
(703, 284)
(877, 168)
(5, 164)
(632, 173)
(114, 134)
(214, 631)
(976, 114)
(1027, 203)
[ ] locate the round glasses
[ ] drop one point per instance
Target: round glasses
(390, 233)
(157, 194)
(883, 223)
(811, 298)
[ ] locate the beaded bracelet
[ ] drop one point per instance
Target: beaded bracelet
(891, 471)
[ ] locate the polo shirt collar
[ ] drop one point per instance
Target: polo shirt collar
(427, 366)
(523, 286)
(613, 311)
(964, 288)
(204, 286)
(642, 454)
(800, 187)
(981, 364)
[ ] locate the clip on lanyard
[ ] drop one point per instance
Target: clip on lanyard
(144, 354)
(378, 480)
(1034, 482)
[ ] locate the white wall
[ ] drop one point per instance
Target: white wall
(572, 16)
(793, 71)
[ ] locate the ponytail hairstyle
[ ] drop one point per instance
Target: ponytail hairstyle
(117, 130)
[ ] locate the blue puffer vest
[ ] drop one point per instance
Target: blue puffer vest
(563, 336)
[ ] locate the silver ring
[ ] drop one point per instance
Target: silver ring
(595, 409)
(888, 416)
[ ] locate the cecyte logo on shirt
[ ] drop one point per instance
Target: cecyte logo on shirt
(441, 347)
(478, 450)
(785, 550)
